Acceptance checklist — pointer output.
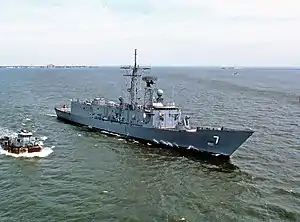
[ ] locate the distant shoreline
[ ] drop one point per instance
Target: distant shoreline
(170, 66)
(46, 67)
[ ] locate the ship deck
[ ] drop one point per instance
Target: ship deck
(63, 109)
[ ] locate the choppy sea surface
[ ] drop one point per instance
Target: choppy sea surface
(87, 176)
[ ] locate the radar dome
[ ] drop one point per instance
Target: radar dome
(160, 92)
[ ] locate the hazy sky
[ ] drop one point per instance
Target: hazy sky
(166, 32)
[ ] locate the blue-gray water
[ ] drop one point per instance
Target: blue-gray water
(261, 183)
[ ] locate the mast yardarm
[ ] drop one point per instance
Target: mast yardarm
(134, 73)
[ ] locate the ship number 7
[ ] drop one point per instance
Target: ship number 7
(216, 139)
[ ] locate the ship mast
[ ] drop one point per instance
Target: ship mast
(134, 77)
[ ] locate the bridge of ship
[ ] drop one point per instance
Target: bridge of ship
(24, 138)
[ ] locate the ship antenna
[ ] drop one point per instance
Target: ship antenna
(134, 79)
(135, 54)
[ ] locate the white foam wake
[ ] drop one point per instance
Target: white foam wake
(7, 132)
(43, 138)
(50, 114)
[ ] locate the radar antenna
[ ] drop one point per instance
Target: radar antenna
(148, 97)
(134, 74)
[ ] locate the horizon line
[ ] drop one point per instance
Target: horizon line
(52, 66)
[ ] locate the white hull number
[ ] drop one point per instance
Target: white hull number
(216, 139)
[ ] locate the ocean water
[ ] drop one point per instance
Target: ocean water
(86, 176)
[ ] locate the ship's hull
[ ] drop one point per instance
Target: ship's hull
(212, 141)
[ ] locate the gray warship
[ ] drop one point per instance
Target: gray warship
(151, 119)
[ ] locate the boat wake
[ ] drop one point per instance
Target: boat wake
(43, 138)
(7, 132)
(50, 114)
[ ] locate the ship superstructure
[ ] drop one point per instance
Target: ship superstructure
(151, 119)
